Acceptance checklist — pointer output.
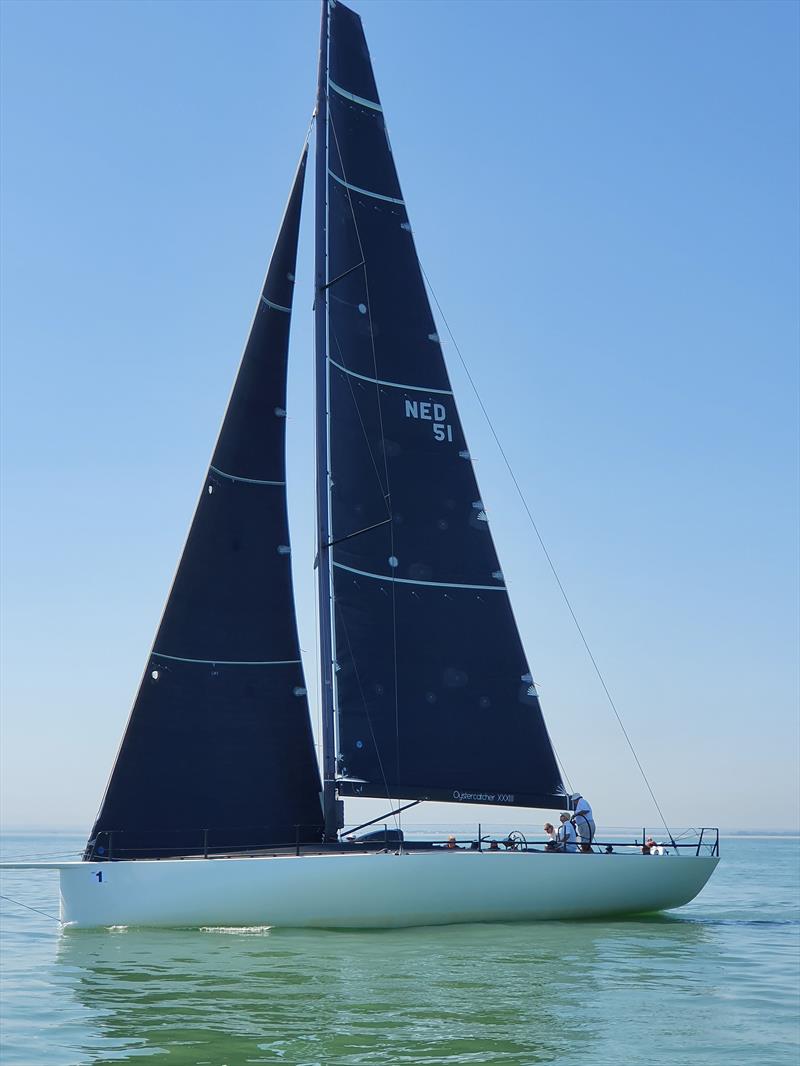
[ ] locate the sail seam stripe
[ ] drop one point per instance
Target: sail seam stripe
(392, 384)
(248, 480)
(229, 662)
(411, 581)
(274, 306)
(366, 192)
(352, 96)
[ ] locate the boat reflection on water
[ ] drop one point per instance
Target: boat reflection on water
(502, 993)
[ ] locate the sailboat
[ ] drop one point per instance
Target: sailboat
(217, 812)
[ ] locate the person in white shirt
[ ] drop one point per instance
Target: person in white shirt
(583, 820)
(565, 837)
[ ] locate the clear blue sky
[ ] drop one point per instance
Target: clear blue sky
(604, 196)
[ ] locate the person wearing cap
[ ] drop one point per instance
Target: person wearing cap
(451, 843)
(583, 820)
(565, 837)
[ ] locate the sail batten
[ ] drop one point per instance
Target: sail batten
(352, 96)
(430, 696)
(227, 662)
(218, 751)
(275, 307)
(390, 384)
(246, 480)
(365, 192)
(411, 581)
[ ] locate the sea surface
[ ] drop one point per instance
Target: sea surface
(716, 983)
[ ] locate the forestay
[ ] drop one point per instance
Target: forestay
(433, 693)
(218, 751)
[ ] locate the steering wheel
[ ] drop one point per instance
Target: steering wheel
(515, 841)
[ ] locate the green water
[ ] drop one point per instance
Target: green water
(715, 983)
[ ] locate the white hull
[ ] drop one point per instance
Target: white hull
(362, 891)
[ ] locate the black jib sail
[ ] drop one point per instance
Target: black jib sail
(433, 693)
(218, 753)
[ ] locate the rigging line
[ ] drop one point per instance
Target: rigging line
(372, 821)
(562, 768)
(383, 441)
(558, 758)
(358, 532)
(369, 307)
(366, 712)
(340, 277)
(686, 832)
(381, 485)
(546, 553)
(311, 122)
(35, 909)
(69, 856)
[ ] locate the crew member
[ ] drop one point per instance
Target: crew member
(565, 837)
(550, 833)
(583, 820)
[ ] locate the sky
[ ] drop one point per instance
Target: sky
(604, 197)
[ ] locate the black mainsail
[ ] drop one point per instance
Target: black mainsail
(218, 752)
(432, 693)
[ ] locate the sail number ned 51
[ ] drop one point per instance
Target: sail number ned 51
(435, 413)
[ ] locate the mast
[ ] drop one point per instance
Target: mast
(330, 808)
